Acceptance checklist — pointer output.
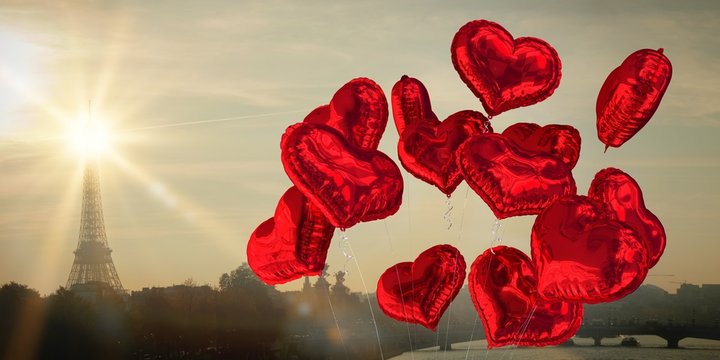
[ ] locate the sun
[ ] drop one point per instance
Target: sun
(90, 138)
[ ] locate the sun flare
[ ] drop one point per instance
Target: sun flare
(90, 139)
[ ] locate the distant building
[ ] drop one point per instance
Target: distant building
(689, 292)
(711, 292)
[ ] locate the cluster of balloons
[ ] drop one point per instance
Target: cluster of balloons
(339, 178)
(585, 248)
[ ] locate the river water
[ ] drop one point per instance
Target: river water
(651, 348)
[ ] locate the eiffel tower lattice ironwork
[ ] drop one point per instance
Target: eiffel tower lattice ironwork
(93, 263)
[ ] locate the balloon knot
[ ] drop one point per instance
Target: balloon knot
(660, 50)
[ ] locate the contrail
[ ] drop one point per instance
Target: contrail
(32, 141)
(199, 122)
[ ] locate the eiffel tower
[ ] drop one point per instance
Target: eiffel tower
(93, 267)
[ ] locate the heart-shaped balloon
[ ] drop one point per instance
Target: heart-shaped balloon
(560, 140)
(291, 244)
(504, 73)
(410, 103)
(358, 110)
(419, 292)
(346, 183)
(511, 180)
(621, 195)
(503, 287)
(581, 254)
(630, 95)
(427, 146)
(427, 149)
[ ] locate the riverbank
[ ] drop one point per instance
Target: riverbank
(650, 348)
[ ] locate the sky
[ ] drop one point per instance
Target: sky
(198, 94)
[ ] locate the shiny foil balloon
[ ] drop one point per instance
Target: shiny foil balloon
(427, 149)
(419, 292)
(292, 244)
(503, 287)
(630, 95)
(346, 183)
(560, 140)
(621, 195)
(504, 73)
(358, 110)
(410, 103)
(427, 146)
(582, 254)
(511, 180)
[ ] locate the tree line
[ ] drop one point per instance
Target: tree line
(240, 318)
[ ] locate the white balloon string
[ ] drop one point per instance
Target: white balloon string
(437, 343)
(408, 205)
(521, 332)
(337, 324)
(447, 327)
(402, 299)
(447, 215)
(367, 296)
(496, 235)
(344, 245)
(462, 216)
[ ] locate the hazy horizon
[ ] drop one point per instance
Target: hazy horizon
(200, 93)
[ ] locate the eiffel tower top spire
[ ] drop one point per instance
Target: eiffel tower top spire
(93, 264)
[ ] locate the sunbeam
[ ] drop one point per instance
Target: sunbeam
(192, 213)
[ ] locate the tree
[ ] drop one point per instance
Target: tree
(70, 328)
(339, 289)
(241, 278)
(250, 314)
(20, 319)
(321, 284)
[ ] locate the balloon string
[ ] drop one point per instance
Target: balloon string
(496, 235)
(437, 343)
(447, 215)
(462, 216)
(367, 295)
(408, 207)
(472, 334)
(337, 324)
(449, 316)
(521, 332)
(402, 299)
(460, 231)
(344, 245)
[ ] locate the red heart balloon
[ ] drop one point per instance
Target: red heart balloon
(419, 292)
(630, 95)
(504, 73)
(292, 244)
(560, 140)
(410, 103)
(427, 146)
(358, 110)
(346, 183)
(503, 287)
(622, 197)
(581, 254)
(427, 149)
(320, 115)
(511, 180)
